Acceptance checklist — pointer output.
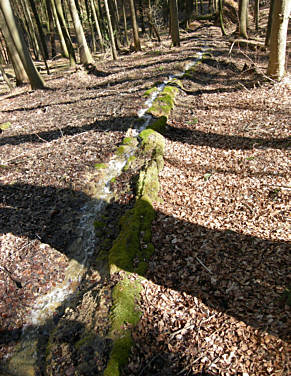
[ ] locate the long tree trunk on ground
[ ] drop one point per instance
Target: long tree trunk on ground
(243, 18)
(61, 17)
(136, 40)
(35, 79)
(20, 74)
(113, 46)
(269, 27)
(174, 23)
(278, 39)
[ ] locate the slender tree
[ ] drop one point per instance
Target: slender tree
(35, 79)
(85, 54)
(174, 25)
(221, 17)
(278, 39)
(40, 30)
(257, 13)
(97, 25)
(61, 17)
(65, 51)
(136, 40)
(111, 35)
(269, 26)
(20, 74)
(243, 18)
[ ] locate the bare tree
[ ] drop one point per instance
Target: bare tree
(278, 39)
(35, 79)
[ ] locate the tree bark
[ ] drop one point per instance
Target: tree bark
(243, 18)
(65, 51)
(85, 54)
(136, 40)
(40, 30)
(174, 23)
(20, 74)
(61, 18)
(257, 13)
(278, 39)
(35, 79)
(268, 32)
(221, 17)
(97, 25)
(113, 46)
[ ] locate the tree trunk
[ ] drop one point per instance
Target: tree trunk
(174, 23)
(113, 46)
(40, 30)
(65, 51)
(30, 28)
(221, 17)
(268, 32)
(243, 18)
(125, 23)
(85, 54)
(256, 13)
(35, 79)
(97, 25)
(136, 40)
(20, 74)
(51, 29)
(61, 18)
(278, 39)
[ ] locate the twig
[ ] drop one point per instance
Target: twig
(15, 280)
(186, 327)
(204, 266)
(148, 364)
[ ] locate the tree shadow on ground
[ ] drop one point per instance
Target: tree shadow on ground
(240, 275)
(117, 124)
(225, 141)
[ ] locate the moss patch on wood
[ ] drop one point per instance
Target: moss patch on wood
(5, 126)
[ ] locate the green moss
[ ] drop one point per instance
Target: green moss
(176, 82)
(5, 126)
(129, 162)
(159, 125)
(122, 150)
(159, 109)
(124, 316)
(129, 141)
(152, 142)
(113, 180)
(127, 245)
(150, 91)
(164, 103)
(119, 355)
(100, 166)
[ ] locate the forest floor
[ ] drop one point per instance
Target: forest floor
(213, 299)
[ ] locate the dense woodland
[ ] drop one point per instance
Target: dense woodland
(79, 29)
(145, 187)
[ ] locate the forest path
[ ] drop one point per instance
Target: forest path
(56, 138)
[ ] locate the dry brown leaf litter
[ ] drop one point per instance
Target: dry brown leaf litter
(220, 234)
